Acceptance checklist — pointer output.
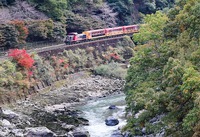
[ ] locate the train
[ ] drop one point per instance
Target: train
(74, 37)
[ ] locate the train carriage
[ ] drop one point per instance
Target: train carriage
(95, 34)
(114, 31)
(131, 29)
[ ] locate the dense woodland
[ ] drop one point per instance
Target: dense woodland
(71, 16)
(163, 81)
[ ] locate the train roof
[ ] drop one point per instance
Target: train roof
(95, 30)
(72, 33)
(119, 27)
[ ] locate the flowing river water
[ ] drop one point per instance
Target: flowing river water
(96, 111)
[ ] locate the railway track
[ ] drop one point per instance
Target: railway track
(53, 50)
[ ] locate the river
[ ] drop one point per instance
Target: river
(53, 112)
(96, 111)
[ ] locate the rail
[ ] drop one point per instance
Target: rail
(49, 46)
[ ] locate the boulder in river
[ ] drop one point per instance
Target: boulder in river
(117, 133)
(68, 127)
(81, 134)
(4, 131)
(112, 107)
(111, 121)
(18, 132)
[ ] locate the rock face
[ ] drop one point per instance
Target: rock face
(111, 121)
(21, 11)
(51, 113)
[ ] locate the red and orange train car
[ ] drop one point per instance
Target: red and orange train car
(94, 34)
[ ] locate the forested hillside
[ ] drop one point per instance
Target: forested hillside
(163, 82)
(38, 20)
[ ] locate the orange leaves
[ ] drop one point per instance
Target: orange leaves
(22, 57)
(59, 62)
(110, 56)
(22, 30)
(115, 56)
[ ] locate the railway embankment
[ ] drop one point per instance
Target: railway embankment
(99, 43)
(24, 76)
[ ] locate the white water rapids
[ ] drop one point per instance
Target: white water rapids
(96, 111)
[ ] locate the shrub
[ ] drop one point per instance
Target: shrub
(82, 57)
(59, 31)
(43, 70)
(53, 8)
(112, 69)
(7, 74)
(90, 49)
(73, 22)
(22, 30)
(40, 30)
(18, 76)
(8, 36)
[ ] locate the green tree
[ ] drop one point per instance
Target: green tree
(40, 30)
(166, 85)
(184, 17)
(53, 8)
(152, 29)
(8, 36)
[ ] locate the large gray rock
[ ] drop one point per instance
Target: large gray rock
(6, 123)
(9, 114)
(111, 121)
(81, 134)
(18, 132)
(39, 132)
(112, 107)
(117, 133)
(68, 127)
(4, 132)
(126, 134)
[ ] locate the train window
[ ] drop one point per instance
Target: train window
(129, 28)
(82, 36)
(98, 33)
(117, 29)
(70, 37)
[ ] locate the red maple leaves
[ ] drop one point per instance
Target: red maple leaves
(115, 56)
(22, 57)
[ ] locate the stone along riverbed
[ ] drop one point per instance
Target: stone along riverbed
(77, 109)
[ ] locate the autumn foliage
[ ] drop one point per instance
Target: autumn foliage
(115, 56)
(22, 30)
(22, 57)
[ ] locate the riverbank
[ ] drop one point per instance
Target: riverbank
(51, 112)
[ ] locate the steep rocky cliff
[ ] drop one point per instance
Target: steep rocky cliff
(20, 10)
